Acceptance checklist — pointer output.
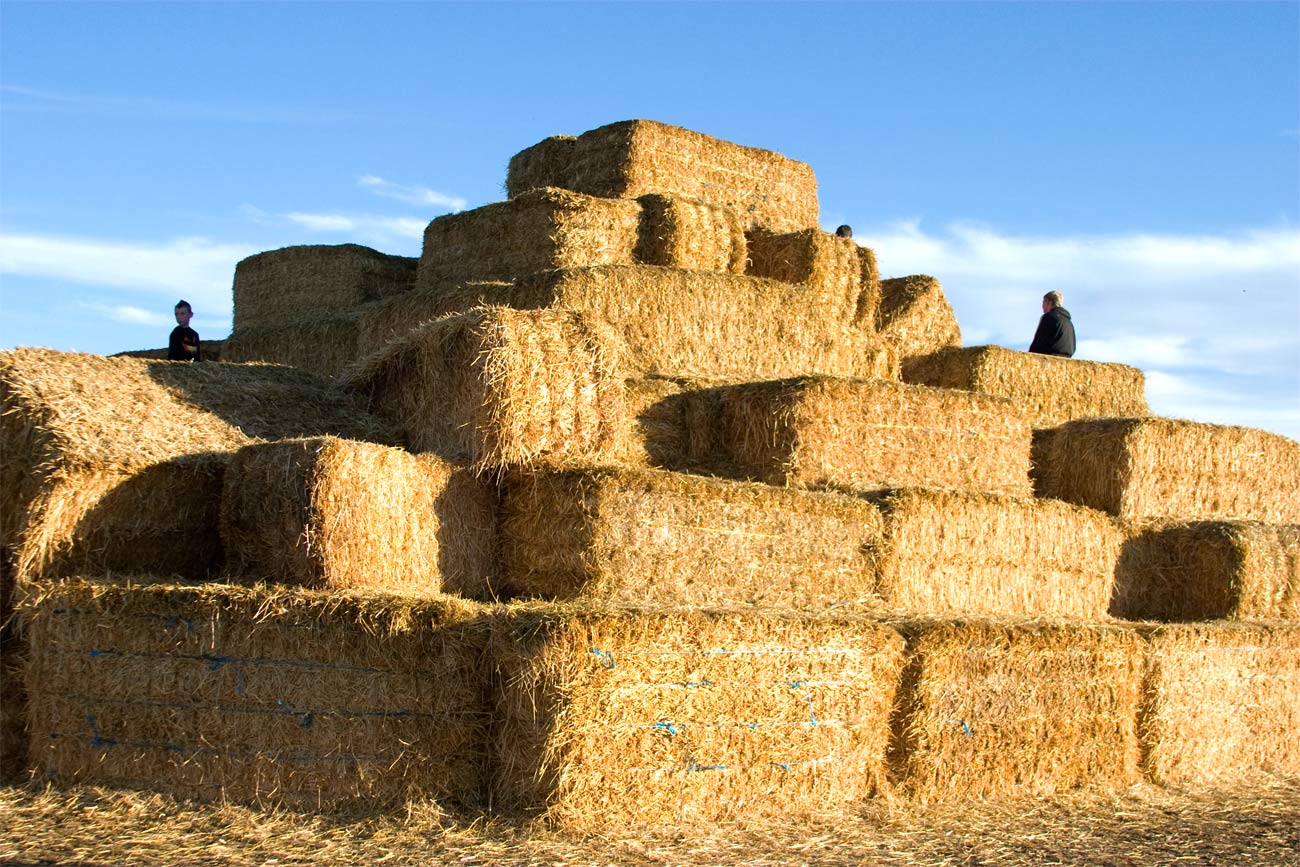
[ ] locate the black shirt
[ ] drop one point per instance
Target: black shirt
(182, 336)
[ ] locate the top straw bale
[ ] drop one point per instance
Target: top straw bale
(914, 313)
(282, 286)
(636, 157)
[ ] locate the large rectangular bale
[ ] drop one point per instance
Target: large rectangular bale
(994, 709)
(324, 345)
(112, 463)
(270, 697)
(916, 315)
(1222, 704)
(537, 231)
(1049, 390)
(958, 552)
(864, 435)
(1143, 468)
(1209, 570)
(828, 266)
(651, 536)
(632, 158)
(607, 719)
(281, 287)
(680, 232)
(331, 513)
(498, 387)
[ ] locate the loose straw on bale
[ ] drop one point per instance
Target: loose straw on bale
(688, 717)
(646, 536)
(282, 287)
(323, 345)
(394, 318)
(1048, 389)
(916, 315)
(1222, 704)
(272, 697)
(1209, 570)
(636, 157)
(1141, 468)
(331, 513)
(827, 266)
(209, 350)
(993, 709)
(498, 387)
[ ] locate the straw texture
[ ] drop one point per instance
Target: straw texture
(323, 345)
(679, 232)
(829, 267)
(209, 350)
(688, 717)
(916, 315)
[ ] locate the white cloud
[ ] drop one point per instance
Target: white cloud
(368, 227)
(323, 222)
(419, 196)
(130, 315)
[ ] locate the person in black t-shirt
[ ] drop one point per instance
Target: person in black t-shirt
(183, 345)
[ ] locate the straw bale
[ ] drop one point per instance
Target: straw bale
(688, 717)
(332, 513)
(675, 425)
(827, 266)
(276, 697)
(209, 350)
(632, 158)
(536, 231)
(1143, 468)
(678, 232)
(869, 298)
(915, 314)
(1050, 390)
(1221, 704)
(281, 287)
(636, 536)
(992, 709)
(1209, 570)
(865, 435)
(498, 387)
(393, 318)
(324, 345)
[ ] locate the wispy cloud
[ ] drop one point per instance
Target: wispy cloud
(18, 97)
(419, 196)
(130, 315)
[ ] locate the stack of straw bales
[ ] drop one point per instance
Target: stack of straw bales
(915, 314)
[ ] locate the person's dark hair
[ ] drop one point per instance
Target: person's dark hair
(183, 303)
(844, 232)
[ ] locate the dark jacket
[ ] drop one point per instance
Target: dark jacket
(181, 337)
(1055, 334)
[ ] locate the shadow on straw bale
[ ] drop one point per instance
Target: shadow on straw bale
(1001, 709)
(678, 232)
(632, 158)
(323, 345)
(209, 350)
(688, 716)
(827, 266)
(916, 315)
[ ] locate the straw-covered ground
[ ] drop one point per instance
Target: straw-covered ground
(1142, 826)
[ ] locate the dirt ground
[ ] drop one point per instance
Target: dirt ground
(1142, 826)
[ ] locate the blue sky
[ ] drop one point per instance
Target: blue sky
(1144, 159)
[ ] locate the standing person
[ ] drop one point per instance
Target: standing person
(183, 345)
(1055, 334)
(844, 232)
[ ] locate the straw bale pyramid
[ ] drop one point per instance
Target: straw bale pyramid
(636, 498)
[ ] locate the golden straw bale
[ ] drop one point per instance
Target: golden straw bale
(498, 387)
(916, 315)
(994, 709)
(1142, 468)
(279, 287)
(1050, 390)
(113, 463)
(869, 299)
(977, 553)
(863, 434)
(632, 158)
(1221, 704)
(537, 231)
(688, 716)
(269, 696)
(1209, 570)
(332, 513)
(324, 345)
(675, 425)
(395, 317)
(827, 266)
(678, 232)
(638, 536)
(209, 350)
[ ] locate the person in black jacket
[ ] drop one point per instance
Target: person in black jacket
(1055, 334)
(183, 345)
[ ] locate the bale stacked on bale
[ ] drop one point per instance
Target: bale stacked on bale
(829, 268)
(279, 287)
(916, 315)
(614, 718)
(498, 387)
(869, 434)
(977, 553)
(272, 697)
(1141, 468)
(537, 231)
(675, 424)
(1209, 570)
(991, 709)
(1049, 390)
(678, 232)
(1221, 703)
(632, 158)
(647, 536)
(335, 514)
(393, 318)
(869, 299)
(324, 345)
(115, 464)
